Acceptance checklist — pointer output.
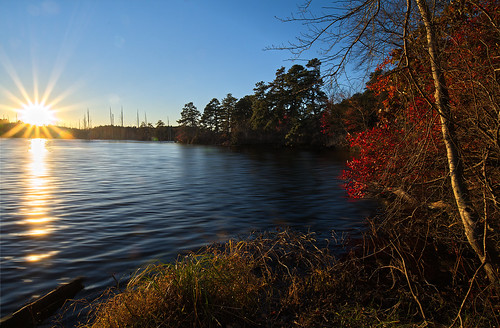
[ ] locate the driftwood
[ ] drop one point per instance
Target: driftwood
(39, 310)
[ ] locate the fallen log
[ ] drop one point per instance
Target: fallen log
(37, 311)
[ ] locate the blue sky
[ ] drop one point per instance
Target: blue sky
(152, 56)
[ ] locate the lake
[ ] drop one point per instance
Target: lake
(101, 209)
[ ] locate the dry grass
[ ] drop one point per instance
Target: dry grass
(283, 279)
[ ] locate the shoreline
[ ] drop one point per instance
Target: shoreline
(286, 278)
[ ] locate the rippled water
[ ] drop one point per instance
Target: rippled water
(98, 208)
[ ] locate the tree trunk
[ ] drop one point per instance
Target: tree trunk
(454, 162)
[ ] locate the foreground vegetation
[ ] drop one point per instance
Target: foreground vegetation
(293, 279)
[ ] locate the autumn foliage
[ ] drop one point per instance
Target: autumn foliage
(405, 148)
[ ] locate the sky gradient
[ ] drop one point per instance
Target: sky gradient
(147, 56)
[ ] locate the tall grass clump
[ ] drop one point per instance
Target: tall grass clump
(199, 290)
(261, 280)
(390, 278)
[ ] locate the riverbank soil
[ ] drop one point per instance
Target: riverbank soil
(405, 272)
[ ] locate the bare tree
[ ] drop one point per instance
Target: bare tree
(365, 30)
(442, 100)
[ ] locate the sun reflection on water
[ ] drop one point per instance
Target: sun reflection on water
(39, 257)
(39, 232)
(37, 194)
(38, 220)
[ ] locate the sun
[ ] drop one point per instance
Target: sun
(36, 120)
(37, 114)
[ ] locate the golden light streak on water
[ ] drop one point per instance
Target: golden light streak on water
(38, 192)
(38, 220)
(39, 257)
(39, 232)
(37, 167)
(38, 148)
(36, 212)
(38, 202)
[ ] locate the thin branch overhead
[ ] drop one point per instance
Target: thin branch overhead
(347, 32)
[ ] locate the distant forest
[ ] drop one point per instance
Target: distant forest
(146, 132)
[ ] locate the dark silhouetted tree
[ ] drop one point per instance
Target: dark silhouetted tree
(189, 116)
(188, 123)
(289, 108)
(211, 118)
(227, 108)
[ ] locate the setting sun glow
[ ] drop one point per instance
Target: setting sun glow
(36, 120)
(37, 114)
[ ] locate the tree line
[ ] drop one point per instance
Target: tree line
(286, 111)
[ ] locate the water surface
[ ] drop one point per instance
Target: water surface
(101, 208)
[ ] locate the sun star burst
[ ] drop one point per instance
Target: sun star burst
(37, 114)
